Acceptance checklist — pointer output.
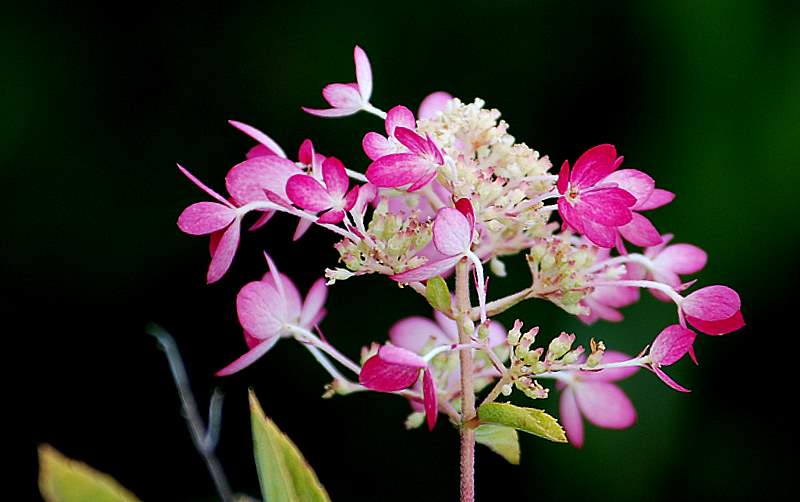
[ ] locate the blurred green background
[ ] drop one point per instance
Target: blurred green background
(98, 105)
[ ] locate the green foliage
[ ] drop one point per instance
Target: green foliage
(65, 480)
(500, 439)
(530, 420)
(282, 471)
(437, 294)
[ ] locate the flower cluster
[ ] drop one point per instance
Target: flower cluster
(445, 192)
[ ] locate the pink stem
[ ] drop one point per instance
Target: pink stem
(467, 385)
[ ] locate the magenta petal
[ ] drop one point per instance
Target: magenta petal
(425, 272)
(600, 235)
(335, 176)
(400, 356)
(712, 303)
(205, 217)
(224, 252)
(669, 381)
(302, 227)
(305, 155)
(431, 398)
(570, 216)
(314, 302)
(606, 206)
(331, 112)
(433, 104)
(396, 170)
(681, 259)
(424, 180)
(332, 217)
(411, 140)
(247, 181)
(465, 207)
(376, 146)
(391, 369)
(248, 358)
(605, 405)
(633, 181)
(563, 178)
(610, 374)
(363, 73)
(203, 186)
(570, 417)
(262, 220)
(308, 193)
(640, 231)
(594, 165)
(657, 199)
(415, 332)
(341, 96)
(671, 344)
(261, 310)
(399, 116)
(259, 136)
(721, 327)
(452, 233)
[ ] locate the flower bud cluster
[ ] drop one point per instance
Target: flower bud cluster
(559, 270)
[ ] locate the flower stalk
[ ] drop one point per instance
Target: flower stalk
(467, 385)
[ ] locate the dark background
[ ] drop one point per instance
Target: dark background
(98, 105)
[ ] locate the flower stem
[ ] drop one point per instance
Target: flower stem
(467, 385)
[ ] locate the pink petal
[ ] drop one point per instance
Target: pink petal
(332, 217)
(224, 253)
(615, 296)
(258, 151)
(363, 73)
(262, 220)
(599, 311)
(600, 235)
(570, 417)
(302, 227)
(425, 272)
(261, 310)
(414, 333)
(669, 381)
(376, 146)
(430, 397)
(203, 186)
(399, 116)
(721, 327)
(594, 165)
(366, 194)
(351, 198)
(633, 181)
(448, 327)
(712, 303)
(610, 374)
(306, 152)
(465, 207)
(657, 199)
(605, 405)
(314, 302)
(331, 112)
(606, 206)
(342, 96)
(426, 178)
(411, 140)
(681, 259)
(391, 369)
(249, 357)
(570, 215)
(259, 136)
(563, 178)
(205, 217)
(335, 176)
(396, 170)
(247, 181)
(640, 231)
(497, 334)
(289, 295)
(308, 193)
(452, 233)
(671, 344)
(433, 104)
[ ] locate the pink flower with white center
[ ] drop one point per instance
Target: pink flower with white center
(669, 347)
(393, 369)
(416, 168)
(348, 99)
(333, 198)
(713, 310)
(221, 218)
(668, 262)
(453, 232)
(590, 205)
(592, 394)
(269, 308)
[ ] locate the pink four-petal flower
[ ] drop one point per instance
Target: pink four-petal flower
(670, 345)
(348, 99)
(415, 168)
(333, 198)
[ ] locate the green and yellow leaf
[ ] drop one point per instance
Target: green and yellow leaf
(529, 420)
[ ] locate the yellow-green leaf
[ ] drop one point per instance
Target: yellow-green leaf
(65, 480)
(282, 471)
(438, 295)
(500, 439)
(529, 420)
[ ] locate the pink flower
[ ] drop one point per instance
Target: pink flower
(416, 168)
(376, 145)
(713, 310)
(669, 262)
(393, 369)
(592, 395)
(348, 99)
(589, 205)
(307, 192)
(221, 218)
(266, 310)
(670, 345)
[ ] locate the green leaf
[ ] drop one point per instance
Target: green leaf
(530, 420)
(65, 480)
(438, 295)
(282, 471)
(500, 439)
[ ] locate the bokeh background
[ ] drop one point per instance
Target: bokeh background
(98, 103)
